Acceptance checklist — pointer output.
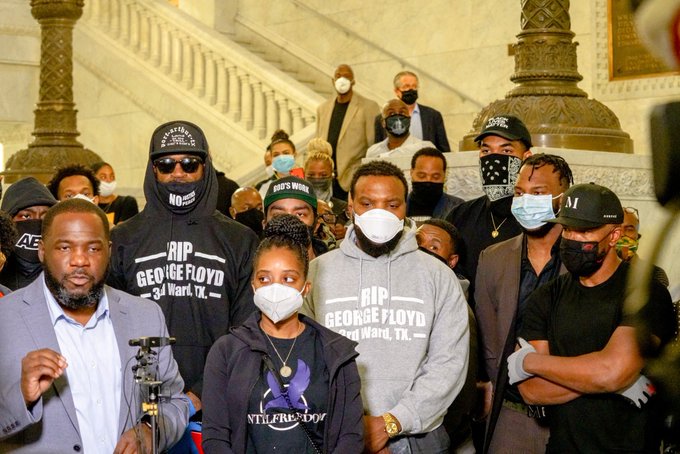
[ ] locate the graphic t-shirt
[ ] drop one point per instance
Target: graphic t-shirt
(272, 426)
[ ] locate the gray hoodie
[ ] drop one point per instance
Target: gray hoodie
(407, 311)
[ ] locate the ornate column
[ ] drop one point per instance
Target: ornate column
(55, 128)
(546, 98)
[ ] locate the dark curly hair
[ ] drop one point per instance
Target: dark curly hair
(70, 171)
(451, 230)
(430, 152)
(380, 169)
(289, 232)
(280, 136)
(8, 234)
(560, 166)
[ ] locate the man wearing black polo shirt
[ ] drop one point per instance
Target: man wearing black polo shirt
(583, 358)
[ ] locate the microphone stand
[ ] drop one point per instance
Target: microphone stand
(146, 375)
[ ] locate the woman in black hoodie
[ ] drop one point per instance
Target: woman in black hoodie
(281, 381)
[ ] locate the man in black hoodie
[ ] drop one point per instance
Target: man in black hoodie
(26, 202)
(182, 253)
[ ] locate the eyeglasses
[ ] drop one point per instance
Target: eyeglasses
(632, 210)
(167, 165)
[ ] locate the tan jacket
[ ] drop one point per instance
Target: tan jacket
(356, 135)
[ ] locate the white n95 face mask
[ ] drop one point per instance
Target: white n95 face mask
(278, 301)
(379, 226)
(532, 211)
(342, 85)
(107, 188)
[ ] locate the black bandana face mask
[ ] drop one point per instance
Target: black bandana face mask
(181, 198)
(499, 173)
(582, 258)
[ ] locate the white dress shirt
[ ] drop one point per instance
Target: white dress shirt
(94, 372)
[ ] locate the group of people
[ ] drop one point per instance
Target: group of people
(337, 308)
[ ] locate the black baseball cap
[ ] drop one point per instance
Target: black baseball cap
(178, 137)
(508, 127)
(587, 206)
(290, 187)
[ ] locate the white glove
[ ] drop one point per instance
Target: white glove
(516, 372)
(639, 392)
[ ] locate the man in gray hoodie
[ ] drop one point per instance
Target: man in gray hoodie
(404, 307)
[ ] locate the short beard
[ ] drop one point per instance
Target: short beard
(540, 232)
(376, 249)
(70, 301)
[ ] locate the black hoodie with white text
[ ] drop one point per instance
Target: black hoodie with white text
(195, 263)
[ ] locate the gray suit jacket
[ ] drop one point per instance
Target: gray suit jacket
(52, 425)
(496, 297)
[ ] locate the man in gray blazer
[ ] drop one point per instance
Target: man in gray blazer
(507, 274)
(66, 380)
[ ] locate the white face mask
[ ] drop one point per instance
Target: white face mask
(269, 170)
(531, 211)
(342, 85)
(379, 226)
(84, 197)
(277, 301)
(106, 189)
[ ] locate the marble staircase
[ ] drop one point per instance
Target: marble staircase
(166, 62)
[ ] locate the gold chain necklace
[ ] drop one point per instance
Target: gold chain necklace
(496, 228)
(285, 370)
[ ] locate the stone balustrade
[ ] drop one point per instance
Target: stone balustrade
(214, 70)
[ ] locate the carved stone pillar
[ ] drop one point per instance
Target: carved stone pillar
(55, 127)
(557, 112)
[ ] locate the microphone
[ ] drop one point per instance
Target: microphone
(148, 342)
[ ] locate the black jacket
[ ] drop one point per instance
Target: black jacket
(234, 366)
(197, 266)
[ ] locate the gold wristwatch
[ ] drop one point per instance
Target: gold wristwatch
(391, 425)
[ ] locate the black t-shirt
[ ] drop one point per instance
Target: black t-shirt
(272, 426)
(576, 320)
(122, 208)
(474, 221)
(337, 117)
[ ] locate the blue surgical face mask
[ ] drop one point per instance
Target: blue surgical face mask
(283, 163)
(532, 211)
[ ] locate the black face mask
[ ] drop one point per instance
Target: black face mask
(409, 96)
(398, 125)
(26, 247)
(581, 258)
(426, 192)
(320, 185)
(251, 218)
(181, 198)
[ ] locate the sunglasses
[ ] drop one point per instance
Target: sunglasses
(167, 165)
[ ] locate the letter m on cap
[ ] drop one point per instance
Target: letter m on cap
(572, 203)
